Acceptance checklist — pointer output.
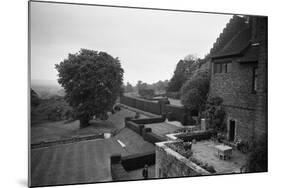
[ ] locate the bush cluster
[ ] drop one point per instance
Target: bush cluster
(181, 148)
(188, 137)
(205, 166)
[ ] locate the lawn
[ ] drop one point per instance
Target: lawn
(50, 131)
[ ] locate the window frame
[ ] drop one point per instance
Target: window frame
(255, 80)
(221, 67)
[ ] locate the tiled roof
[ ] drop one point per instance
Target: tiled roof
(251, 55)
(236, 45)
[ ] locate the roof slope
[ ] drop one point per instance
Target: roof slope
(236, 45)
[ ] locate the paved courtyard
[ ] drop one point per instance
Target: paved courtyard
(205, 151)
(82, 162)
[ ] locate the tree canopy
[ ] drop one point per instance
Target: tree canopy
(183, 71)
(92, 81)
(195, 90)
(35, 100)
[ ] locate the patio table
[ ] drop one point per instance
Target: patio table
(224, 152)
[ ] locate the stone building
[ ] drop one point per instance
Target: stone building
(239, 76)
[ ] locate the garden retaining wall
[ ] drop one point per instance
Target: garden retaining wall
(171, 164)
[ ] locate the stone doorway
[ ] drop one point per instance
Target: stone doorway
(231, 131)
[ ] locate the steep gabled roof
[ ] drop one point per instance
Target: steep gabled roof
(236, 45)
(251, 54)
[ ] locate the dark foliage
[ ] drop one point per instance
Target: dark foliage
(258, 158)
(205, 166)
(181, 148)
(194, 92)
(35, 100)
(92, 81)
(215, 113)
(146, 93)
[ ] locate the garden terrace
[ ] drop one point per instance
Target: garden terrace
(205, 155)
(206, 152)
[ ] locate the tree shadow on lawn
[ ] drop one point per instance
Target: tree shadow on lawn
(65, 129)
(95, 127)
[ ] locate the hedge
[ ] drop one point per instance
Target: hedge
(188, 137)
(142, 104)
(137, 161)
(175, 113)
(149, 120)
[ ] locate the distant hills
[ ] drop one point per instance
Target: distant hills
(47, 88)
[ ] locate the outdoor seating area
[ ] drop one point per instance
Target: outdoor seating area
(224, 152)
(223, 158)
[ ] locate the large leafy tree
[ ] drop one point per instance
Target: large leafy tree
(183, 71)
(92, 81)
(194, 92)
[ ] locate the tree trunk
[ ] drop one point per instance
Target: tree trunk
(84, 122)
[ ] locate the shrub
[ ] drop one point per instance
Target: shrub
(146, 93)
(194, 91)
(181, 148)
(205, 166)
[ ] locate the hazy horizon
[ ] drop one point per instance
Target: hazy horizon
(149, 43)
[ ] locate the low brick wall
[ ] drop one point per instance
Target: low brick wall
(153, 107)
(171, 164)
(152, 137)
(133, 126)
(66, 141)
(149, 120)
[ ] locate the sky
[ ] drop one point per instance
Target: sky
(148, 43)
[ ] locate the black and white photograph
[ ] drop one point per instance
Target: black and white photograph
(121, 93)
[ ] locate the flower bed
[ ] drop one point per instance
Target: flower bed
(205, 166)
(182, 148)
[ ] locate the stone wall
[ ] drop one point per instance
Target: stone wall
(239, 102)
(261, 118)
(246, 108)
(244, 122)
(171, 164)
